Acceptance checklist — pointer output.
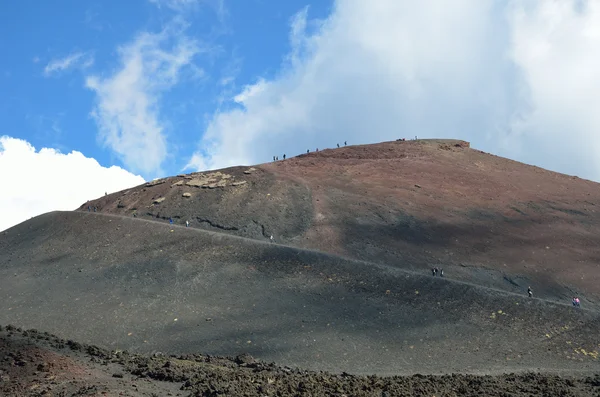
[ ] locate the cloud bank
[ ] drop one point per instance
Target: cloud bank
(127, 111)
(516, 78)
(47, 180)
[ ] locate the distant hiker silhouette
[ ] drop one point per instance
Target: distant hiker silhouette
(187, 223)
(307, 150)
(277, 158)
(94, 209)
(529, 292)
(284, 156)
(441, 272)
(171, 221)
(338, 145)
(273, 158)
(344, 143)
(89, 208)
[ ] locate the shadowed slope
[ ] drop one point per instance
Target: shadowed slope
(130, 284)
(412, 204)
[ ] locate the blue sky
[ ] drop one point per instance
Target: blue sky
(97, 96)
(55, 46)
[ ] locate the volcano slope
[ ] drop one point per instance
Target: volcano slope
(126, 283)
(409, 204)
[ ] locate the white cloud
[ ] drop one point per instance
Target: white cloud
(80, 59)
(515, 78)
(47, 180)
(127, 111)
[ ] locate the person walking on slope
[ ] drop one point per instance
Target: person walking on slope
(529, 292)
(187, 223)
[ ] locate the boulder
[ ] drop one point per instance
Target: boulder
(186, 194)
(158, 200)
(238, 183)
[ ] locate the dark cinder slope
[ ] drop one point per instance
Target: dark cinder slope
(412, 205)
(126, 283)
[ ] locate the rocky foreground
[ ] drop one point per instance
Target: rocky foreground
(34, 363)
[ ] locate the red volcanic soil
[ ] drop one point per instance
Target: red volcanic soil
(410, 204)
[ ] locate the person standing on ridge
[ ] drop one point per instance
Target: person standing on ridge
(338, 145)
(529, 292)
(284, 156)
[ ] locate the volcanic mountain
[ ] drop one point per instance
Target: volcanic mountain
(344, 285)
(409, 204)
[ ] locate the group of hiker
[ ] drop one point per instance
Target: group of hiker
(435, 271)
(90, 208)
(276, 158)
(576, 302)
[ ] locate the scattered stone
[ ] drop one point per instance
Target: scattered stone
(186, 194)
(238, 183)
(178, 183)
(419, 186)
(117, 375)
(210, 180)
(250, 170)
(43, 367)
(244, 358)
(159, 200)
(156, 182)
(221, 183)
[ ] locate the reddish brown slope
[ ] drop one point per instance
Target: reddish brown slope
(413, 204)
